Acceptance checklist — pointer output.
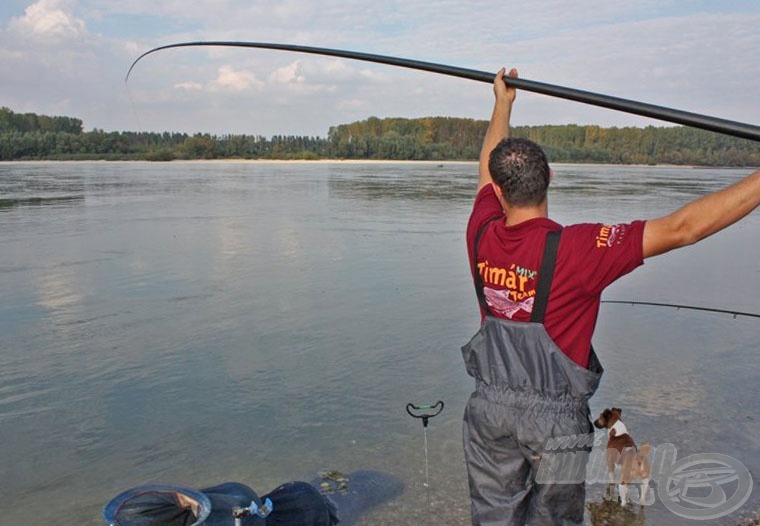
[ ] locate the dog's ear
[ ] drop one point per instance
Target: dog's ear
(618, 410)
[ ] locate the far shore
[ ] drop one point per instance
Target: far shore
(317, 161)
(360, 161)
(244, 161)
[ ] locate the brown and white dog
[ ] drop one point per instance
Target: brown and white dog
(622, 452)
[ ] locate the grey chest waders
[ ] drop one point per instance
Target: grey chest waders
(527, 392)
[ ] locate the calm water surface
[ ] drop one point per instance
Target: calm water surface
(195, 323)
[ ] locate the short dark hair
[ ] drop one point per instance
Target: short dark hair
(520, 168)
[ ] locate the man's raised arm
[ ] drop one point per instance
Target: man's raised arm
(498, 128)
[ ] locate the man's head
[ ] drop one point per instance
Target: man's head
(520, 168)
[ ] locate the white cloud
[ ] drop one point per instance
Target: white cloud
(231, 80)
(189, 86)
(290, 74)
(320, 75)
(46, 20)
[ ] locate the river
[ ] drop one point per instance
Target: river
(195, 323)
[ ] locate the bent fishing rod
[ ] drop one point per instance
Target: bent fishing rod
(696, 120)
(685, 307)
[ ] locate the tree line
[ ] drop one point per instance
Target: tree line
(31, 137)
(440, 138)
(31, 122)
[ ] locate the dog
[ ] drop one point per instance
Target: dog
(622, 452)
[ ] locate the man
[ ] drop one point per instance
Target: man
(539, 287)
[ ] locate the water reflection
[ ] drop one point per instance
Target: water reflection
(68, 200)
(594, 187)
(38, 185)
(415, 182)
(58, 291)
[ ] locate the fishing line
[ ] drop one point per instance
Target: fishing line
(134, 108)
(685, 307)
(696, 120)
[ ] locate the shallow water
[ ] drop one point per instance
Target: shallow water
(195, 323)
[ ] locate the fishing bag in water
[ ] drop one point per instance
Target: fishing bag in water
(228, 504)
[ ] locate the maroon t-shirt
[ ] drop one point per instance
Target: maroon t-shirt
(589, 258)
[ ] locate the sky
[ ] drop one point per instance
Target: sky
(70, 57)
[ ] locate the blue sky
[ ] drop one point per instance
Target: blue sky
(69, 57)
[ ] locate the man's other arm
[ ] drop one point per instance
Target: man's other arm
(703, 217)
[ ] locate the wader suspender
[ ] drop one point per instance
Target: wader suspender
(545, 276)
